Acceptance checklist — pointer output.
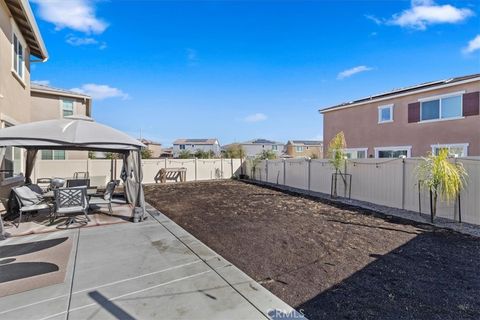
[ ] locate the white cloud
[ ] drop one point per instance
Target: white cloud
(423, 13)
(77, 15)
(256, 117)
(350, 72)
(473, 45)
(41, 82)
(76, 41)
(101, 91)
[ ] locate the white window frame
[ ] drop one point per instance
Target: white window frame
(439, 98)
(181, 147)
(73, 103)
(53, 155)
(20, 40)
(274, 147)
(393, 148)
(349, 150)
(381, 108)
(455, 145)
(299, 149)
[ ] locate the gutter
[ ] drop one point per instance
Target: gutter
(329, 109)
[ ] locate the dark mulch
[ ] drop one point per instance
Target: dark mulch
(330, 260)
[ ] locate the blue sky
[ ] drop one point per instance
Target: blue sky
(239, 70)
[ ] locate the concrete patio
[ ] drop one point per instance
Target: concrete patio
(149, 270)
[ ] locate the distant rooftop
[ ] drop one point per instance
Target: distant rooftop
(208, 141)
(146, 142)
(306, 142)
(261, 141)
(405, 90)
(36, 87)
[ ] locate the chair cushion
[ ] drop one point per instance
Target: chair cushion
(70, 209)
(27, 197)
(35, 207)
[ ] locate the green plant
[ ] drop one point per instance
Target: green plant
(185, 154)
(112, 155)
(441, 177)
(266, 155)
(91, 155)
(235, 151)
(146, 153)
(200, 154)
(337, 155)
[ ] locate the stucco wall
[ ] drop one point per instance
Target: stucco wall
(252, 150)
(15, 94)
(362, 130)
(308, 151)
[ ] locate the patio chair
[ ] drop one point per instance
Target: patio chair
(78, 183)
(29, 201)
(69, 201)
(80, 175)
(107, 197)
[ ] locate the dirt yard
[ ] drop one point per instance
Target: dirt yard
(329, 260)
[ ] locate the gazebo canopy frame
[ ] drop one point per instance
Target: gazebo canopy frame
(74, 133)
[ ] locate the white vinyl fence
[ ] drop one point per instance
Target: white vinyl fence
(99, 169)
(387, 182)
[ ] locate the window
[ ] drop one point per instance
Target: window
(393, 152)
(53, 154)
(299, 148)
(456, 149)
(67, 108)
(441, 107)
(12, 161)
(18, 57)
(385, 113)
(274, 147)
(182, 147)
(358, 153)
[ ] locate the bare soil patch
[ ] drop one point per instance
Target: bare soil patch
(330, 260)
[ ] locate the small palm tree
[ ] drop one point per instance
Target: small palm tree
(337, 155)
(442, 178)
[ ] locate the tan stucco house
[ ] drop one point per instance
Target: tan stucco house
(153, 146)
(411, 121)
(53, 103)
(20, 40)
(305, 148)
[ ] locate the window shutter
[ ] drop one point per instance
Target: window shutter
(414, 112)
(471, 102)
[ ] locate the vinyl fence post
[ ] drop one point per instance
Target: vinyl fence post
(231, 167)
(221, 166)
(309, 177)
(284, 172)
(266, 170)
(196, 169)
(403, 183)
(165, 163)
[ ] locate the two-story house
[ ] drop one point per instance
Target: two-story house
(194, 145)
(154, 147)
(411, 121)
(53, 103)
(305, 148)
(254, 147)
(20, 40)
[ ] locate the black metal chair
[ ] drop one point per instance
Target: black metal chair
(78, 183)
(69, 201)
(107, 197)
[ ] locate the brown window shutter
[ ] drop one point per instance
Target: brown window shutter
(414, 112)
(471, 104)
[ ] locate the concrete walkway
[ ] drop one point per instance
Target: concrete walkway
(149, 270)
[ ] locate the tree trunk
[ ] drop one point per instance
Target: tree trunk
(433, 204)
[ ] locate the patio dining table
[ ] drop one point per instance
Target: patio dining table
(91, 191)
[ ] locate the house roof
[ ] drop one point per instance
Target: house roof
(261, 141)
(147, 142)
(196, 141)
(405, 91)
(23, 16)
(306, 142)
(35, 87)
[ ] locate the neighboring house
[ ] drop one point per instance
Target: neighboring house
(54, 103)
(193, 145)
(20, 40)
(305, 148)
(154, 147)
(167, 153)
(254, 147)
(411, 121)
